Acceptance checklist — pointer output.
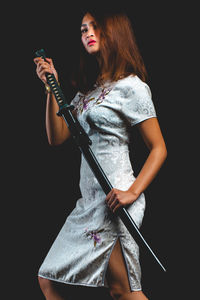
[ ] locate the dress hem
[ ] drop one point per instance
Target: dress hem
(81, 284)
(71, 283)
(103, 284)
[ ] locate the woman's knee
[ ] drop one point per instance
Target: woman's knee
(119, 294)
(116, 292)
(45, 284)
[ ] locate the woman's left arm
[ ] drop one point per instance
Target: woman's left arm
(153, 138)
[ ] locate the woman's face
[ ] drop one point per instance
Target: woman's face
(90, 34)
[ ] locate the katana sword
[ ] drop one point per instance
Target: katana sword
(83, 142)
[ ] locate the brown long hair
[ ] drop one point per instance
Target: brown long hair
(118, 56)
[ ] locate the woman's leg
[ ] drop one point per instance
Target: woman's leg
(48, 289)
(117, 277)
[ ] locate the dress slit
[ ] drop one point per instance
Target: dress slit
(125, 262)
(107, 262)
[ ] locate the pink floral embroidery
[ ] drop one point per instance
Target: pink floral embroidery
(83, 103)
(103, 94)
(93, 234)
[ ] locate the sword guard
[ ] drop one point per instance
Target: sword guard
(63, 108)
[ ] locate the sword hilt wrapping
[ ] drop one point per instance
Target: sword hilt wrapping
(53, 83)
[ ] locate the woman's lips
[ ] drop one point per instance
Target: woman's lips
(91, 42)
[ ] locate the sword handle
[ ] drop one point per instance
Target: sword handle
(53, 83)
(65, 109)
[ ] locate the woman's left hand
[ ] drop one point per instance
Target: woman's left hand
(117, 198)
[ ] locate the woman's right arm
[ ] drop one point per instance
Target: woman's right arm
(57, 130)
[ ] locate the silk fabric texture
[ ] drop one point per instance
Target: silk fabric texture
(81, 251)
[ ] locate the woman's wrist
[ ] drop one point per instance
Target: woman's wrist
(135, 193)
(47, 89)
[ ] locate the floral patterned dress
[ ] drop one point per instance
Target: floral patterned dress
(81, 251)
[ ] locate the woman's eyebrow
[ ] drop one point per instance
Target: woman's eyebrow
(92, 22)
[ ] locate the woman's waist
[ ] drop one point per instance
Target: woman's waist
(106, 146)
(110, 155)
(120, 177)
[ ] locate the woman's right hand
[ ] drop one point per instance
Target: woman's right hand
(44, 67)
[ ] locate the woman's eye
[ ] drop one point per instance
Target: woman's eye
(83, 30)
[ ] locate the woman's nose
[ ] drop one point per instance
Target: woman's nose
(90, 32)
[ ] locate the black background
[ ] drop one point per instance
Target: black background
(40, 182)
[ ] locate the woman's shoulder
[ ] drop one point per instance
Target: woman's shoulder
(133, 81)
(133, 84)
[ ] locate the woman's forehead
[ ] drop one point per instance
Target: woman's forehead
(87, 19)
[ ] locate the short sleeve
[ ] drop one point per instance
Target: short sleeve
(137, 104)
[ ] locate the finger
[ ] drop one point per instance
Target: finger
(43, 62)
(114, 196)
(37, 59)
(113, 203)
(108, 196)
(43, 72)
(111, 199)
(116, 207)
(39, 66)
(44, 66)
(112, 192)
(50, 61)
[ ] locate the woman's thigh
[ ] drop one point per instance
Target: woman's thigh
(117, 277)
(116, 274)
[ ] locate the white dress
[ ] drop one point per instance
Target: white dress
(81, 251)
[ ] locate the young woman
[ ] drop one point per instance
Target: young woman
(94, 248)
